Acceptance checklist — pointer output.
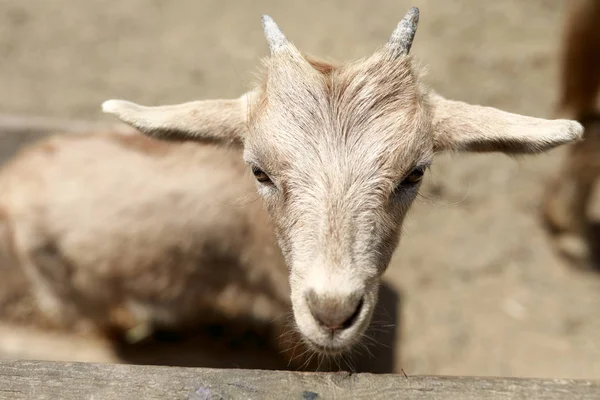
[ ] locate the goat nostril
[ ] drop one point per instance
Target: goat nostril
(352, 318)
(334, 315)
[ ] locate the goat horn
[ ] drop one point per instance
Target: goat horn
(401, 40)
(275, 37)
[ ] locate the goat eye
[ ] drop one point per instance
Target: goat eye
(260, 175)
(414, 177)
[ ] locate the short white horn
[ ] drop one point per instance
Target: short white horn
(274, 35)
(402, 38)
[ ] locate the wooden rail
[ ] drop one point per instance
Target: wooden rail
(69, 381)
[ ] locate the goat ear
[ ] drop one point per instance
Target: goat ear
(466, 127)
(221, 121)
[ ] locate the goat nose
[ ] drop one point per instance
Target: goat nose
(334, 313)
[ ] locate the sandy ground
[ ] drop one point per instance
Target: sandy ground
(482, 292)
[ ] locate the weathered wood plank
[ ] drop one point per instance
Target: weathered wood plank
(69, 381)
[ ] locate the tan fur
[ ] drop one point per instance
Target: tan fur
(221, 116)
(123, 230)
(568, 194)
(337, 143)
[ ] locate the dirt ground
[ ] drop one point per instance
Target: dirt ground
(482, 293)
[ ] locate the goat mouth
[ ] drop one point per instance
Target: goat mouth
(327, 350)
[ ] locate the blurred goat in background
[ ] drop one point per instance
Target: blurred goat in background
(568, 197)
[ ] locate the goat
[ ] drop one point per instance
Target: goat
(565, 204)
(338, 153)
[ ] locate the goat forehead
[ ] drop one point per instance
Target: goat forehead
(387, 148)
(367, 114)
(351, 94)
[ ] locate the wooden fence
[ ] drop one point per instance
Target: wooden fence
(70, 381)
